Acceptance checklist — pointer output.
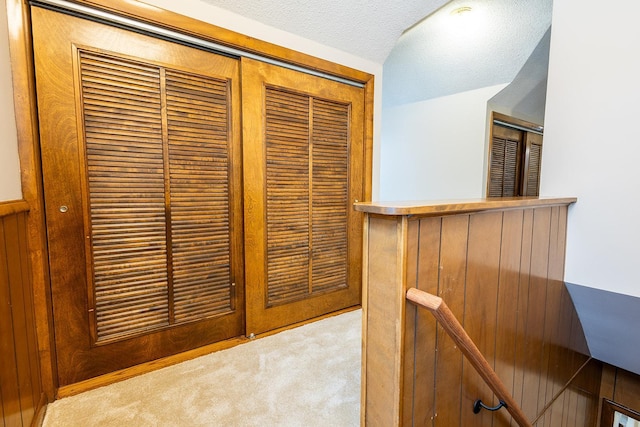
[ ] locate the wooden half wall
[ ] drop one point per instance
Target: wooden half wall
(21, 398)
(498, 265)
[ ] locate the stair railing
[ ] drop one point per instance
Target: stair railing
(448, 321)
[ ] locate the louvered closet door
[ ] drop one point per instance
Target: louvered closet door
(303, 159)
(141, 168)
(505, 164)
(533, 162)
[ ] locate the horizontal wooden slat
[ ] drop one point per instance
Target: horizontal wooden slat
(330, 195)
(497, 167)
(510, 175)
(197, 111)
(287, 192)
(533, 171)
(306, 213)
(13, 207)
(123, 139)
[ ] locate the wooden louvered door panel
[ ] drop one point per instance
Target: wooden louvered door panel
(141, 167)
(303, 164)
(532, 164)
(505, 162)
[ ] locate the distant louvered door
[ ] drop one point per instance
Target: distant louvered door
(141, 168)
(303, 151)
(505, 162)
(532, 164)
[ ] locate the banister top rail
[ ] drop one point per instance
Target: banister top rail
(448, 207)
(448, 321)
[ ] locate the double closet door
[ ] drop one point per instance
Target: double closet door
(179, 212)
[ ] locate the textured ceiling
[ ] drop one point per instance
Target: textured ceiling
(365, 28)
(446, 54)
(427, 52)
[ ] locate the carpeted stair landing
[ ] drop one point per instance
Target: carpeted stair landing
(307, 376)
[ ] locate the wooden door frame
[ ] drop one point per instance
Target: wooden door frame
(23, 74)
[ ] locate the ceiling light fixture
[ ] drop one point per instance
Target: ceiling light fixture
(460, 11)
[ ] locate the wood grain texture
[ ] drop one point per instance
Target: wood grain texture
(499, 271)
(532, 164)
(507, 303)
(468, 347)
(480, 314)
(627, 389)
(424, 326)
(621, 386)
(514, 157)
(523, 305)
(451, 286)
(21, 393)
(504, 162)
(385, 256)
(577, 404)
(303, 142)
(22, 70)
(451, 207)
(129, 128)
(534, 339)
(410, 346)
(13, 207)
(27, 124)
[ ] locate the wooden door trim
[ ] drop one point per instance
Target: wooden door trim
(196, 28)
(22, 68)
(515, 121)
(146, 367)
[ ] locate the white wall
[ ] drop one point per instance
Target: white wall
(592, 140)
(435, 149)
(10, 188)
(223, 18)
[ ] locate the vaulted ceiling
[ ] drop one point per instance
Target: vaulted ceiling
(451, 52)
(365, 28)
(427, 50)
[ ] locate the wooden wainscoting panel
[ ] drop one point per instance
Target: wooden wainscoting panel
(555, 322)
(21, 311)
(523, 306)
(411, 326)
(21, 396)
(562, 360)
(428, 272)
(627, 389)
(552, 314)
(500, 273)
(508, 301)
(480, 309)
(621, 387)
(9, 383)
(577, 404)
(451, 288)
(536, 313)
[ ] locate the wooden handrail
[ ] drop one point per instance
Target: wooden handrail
(448, 321)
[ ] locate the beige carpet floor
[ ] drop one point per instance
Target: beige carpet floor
(307, 376)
